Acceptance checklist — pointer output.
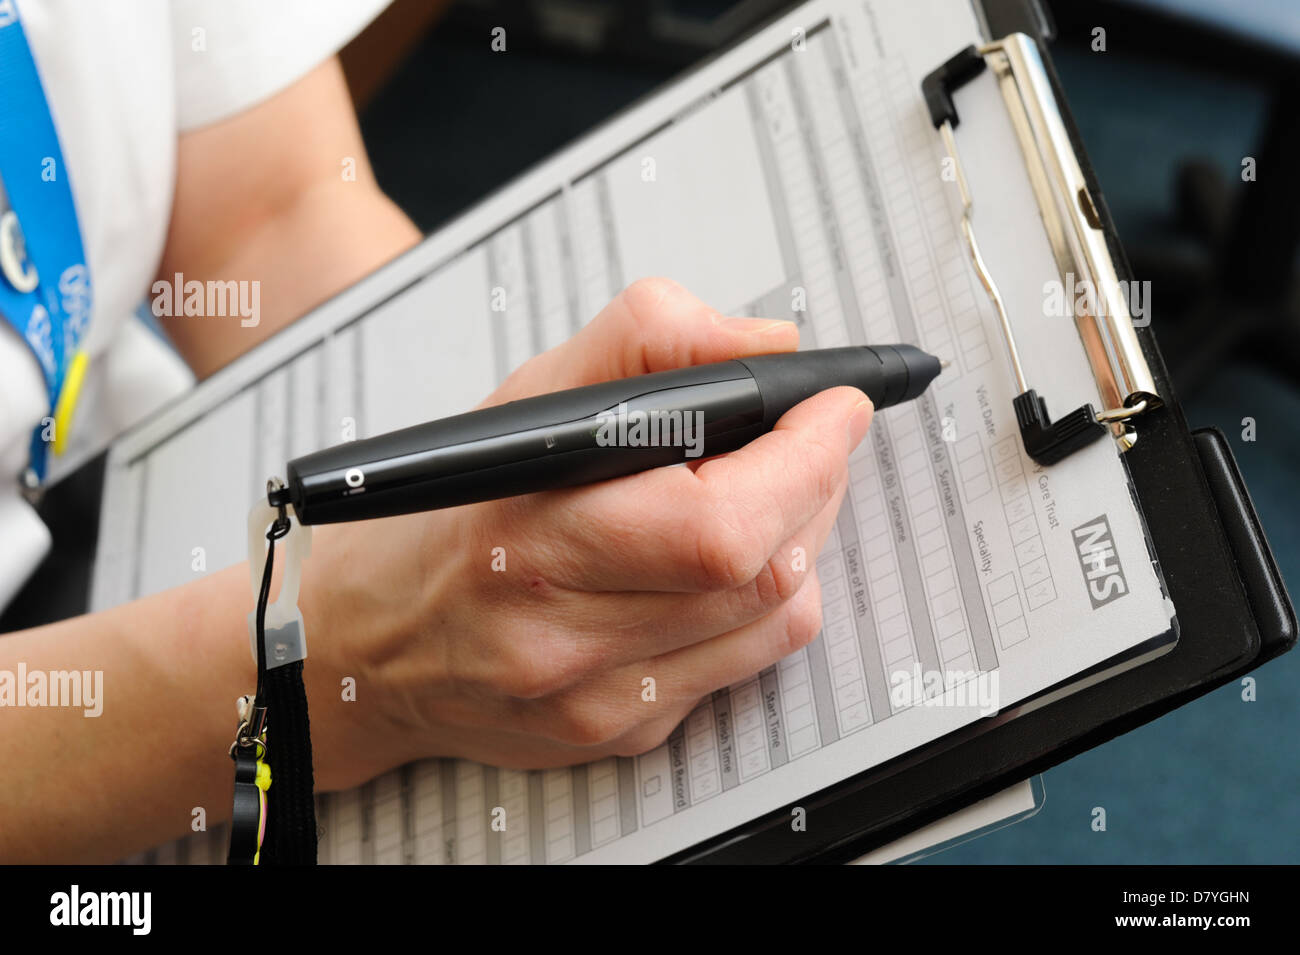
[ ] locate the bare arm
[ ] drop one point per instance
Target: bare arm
(94, 783)
(261, 197)
(282, 195)
(94, 788)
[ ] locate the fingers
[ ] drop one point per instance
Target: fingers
(711, 530)
(571, 637)
(694, 671)
(619, 628)
(653, 325)
(634, 709)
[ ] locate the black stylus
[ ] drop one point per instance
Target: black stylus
(587, 434)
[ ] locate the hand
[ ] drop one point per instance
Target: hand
(522, 632)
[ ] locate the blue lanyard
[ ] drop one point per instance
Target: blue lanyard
(40, 241)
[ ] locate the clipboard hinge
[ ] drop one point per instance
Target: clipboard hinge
(1078, 242)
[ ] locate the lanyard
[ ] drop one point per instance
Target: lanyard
(273, 819)
(45, 288)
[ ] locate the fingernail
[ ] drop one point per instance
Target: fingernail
(859, 421)
(755, 325)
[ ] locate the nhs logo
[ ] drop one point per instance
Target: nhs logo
(1102, 572)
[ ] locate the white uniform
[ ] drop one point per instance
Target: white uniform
(122, 81)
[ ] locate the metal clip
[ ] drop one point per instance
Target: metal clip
(1078, 244)
(252, 726)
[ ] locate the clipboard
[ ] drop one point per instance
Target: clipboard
(1212, 536)
(1233, 608)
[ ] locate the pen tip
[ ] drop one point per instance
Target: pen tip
(944, 364)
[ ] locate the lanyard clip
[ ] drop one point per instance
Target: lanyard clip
(252, 727)
(286, 637)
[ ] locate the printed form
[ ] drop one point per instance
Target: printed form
(796, 176)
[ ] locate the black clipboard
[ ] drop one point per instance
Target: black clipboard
(1233, 610)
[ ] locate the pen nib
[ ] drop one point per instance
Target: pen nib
(944, 364)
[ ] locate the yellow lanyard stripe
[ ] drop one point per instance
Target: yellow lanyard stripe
(68, 400)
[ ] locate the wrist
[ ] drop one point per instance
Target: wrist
(361, 623)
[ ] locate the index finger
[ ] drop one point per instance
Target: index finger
(714, 528)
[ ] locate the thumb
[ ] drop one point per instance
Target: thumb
(653, 325)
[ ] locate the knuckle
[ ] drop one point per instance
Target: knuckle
(523, 683)
(725, 555)
(803, 621)
(661, 337)
(822, 465)
(589, 725)
(537, 666)
(644, 296)
(651, 344)
(776, 583)
(645, 738)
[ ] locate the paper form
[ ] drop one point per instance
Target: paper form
(796, 176)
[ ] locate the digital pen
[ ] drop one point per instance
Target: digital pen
(587, 434)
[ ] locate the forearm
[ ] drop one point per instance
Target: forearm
(281, 195)
(93, 788)
(327, 240)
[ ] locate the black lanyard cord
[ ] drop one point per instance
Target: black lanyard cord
(291, 807)
(278, 530)
(278, 711)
